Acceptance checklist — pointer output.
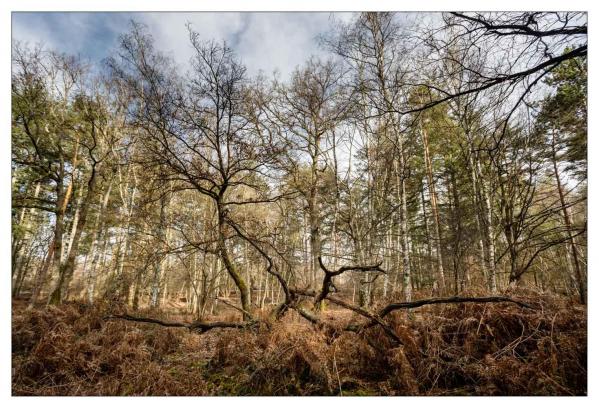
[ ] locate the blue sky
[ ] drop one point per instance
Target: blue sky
(264, 41)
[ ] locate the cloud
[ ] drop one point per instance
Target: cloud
(280, 41)
(266, 41)
(28, 28)
(91, 35)
(170, 32)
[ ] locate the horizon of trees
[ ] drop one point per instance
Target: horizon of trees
(418, 158)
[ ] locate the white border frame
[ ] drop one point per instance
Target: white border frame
(279, 5)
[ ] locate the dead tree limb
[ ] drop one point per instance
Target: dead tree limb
(196, 326)
(319, 323)
(454, 299)
(377, 319)
(374, 319)
(550, 64)
(511, 28)
(363, 312)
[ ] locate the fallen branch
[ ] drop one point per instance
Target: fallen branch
(197, 326)
(434, 301)
(319, 323)
(377, 319)
(374, 319)
(454, 299)
(363, 312)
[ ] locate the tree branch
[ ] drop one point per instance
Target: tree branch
(552, 63)
(455, 299)
(196, 326)
(328, 276)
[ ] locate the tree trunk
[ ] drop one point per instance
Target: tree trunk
(428, 239)
(568, 223)
(95, 249)
(18, 268)
(488, 231)
(62, 200)
(404, 231)
(314, 216)
(434, 209)
(161, 255)
(478, 206)
(229, 265)
(66, 272)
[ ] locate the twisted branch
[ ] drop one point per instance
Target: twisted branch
(328, 276)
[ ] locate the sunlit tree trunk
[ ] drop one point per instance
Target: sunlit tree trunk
(578, 276)
(62, 200)
(127, 213)
(404, 231)
(488, 230)
(161, 255)
(434, 209)
(95, 247)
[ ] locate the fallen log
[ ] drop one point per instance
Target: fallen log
(454, 299)
(448, 300)
(197, 326)
(374, 319)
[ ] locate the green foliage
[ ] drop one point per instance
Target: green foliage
(565, 110)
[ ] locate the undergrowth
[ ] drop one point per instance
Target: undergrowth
(466, 349)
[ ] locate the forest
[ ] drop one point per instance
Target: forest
(404, 214)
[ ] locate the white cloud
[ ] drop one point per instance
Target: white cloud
(283, 40)
(171, 35)
(264, 41)
(280, 41)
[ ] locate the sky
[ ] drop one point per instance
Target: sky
(266, 41)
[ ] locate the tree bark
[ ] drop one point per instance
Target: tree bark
(95, 249)
(161, 255)
(228, 262)
(579, 279)
(434, 209)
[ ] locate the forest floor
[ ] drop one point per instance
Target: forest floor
(464, 349)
